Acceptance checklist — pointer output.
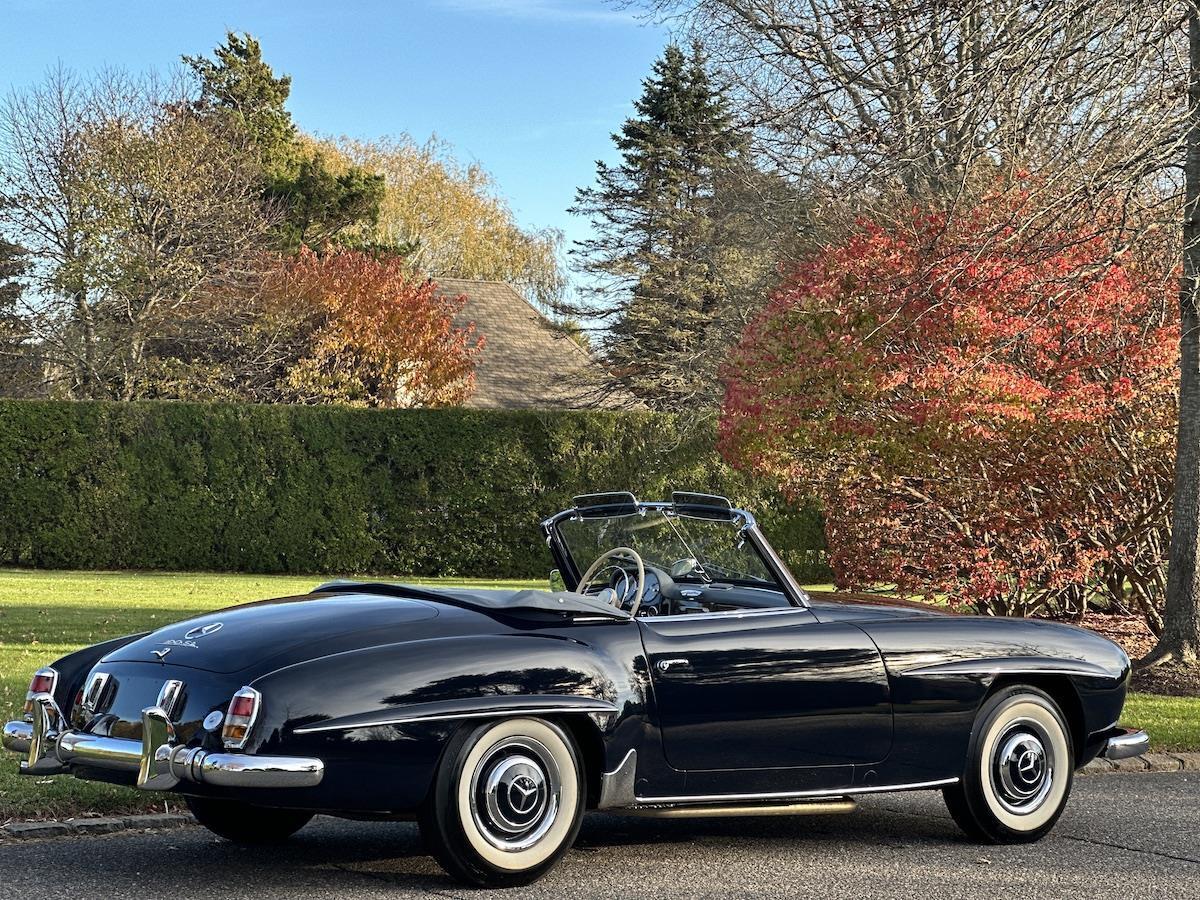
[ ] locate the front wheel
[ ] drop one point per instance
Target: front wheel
(506, 803)
(243, 823)
(1019, 769)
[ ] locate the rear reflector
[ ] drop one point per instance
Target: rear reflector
(44, 681)
(243, 711)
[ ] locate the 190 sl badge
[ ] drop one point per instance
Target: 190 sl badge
(203, 631)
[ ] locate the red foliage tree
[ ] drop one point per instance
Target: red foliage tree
(377, 334)
(985, 415)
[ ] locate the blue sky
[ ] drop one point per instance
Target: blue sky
(531, 89)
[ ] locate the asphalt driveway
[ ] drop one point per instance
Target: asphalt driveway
(1123, 836)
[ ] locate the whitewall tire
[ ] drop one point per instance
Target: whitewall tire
(1019, 769)
(507, 802)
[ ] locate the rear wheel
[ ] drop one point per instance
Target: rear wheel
(243, 823)
(1019, 770)
(506, 803)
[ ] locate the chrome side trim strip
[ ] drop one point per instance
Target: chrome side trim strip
(468, 708)
(797, 795)
(1023, 665)
(818, 807)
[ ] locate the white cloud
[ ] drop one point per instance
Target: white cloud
(595, 11)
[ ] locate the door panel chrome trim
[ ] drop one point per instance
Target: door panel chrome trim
(796, 795)
(729, 614)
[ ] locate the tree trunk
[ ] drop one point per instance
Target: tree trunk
(1180, 640)
(86, 375)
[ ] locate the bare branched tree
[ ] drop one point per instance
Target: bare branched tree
(130, 207)
(927, 95)
(1090, 106)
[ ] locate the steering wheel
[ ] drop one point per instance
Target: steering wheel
(595, 567)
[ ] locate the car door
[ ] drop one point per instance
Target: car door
(765, 689)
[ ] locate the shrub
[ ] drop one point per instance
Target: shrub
(184, 486)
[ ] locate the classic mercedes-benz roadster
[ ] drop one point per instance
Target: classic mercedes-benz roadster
(679, 670)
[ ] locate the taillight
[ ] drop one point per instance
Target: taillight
(44, 681)
(243, 710)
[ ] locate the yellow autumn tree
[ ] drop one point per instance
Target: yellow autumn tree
(452, 218)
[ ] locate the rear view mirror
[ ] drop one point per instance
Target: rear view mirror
(684, 567)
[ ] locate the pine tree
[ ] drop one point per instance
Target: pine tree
(239, 83)
(656, 286)
(319, 204)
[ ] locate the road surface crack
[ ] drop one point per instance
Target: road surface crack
(1115, 846)
(1070, 837)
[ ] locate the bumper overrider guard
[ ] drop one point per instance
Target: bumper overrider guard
(160, 763)
(1124, 743)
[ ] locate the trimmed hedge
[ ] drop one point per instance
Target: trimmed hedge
(222, 487)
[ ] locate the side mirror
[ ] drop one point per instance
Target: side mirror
(556, 581)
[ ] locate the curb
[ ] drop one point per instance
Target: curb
(1150, 762)
(105, 825)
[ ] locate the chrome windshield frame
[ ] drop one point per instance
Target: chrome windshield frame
(743, 520)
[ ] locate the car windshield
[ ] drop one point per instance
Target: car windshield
(688, 549)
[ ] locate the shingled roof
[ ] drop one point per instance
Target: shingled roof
(525, 363)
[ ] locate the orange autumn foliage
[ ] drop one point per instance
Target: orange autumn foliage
(986, 416)
(380, 335)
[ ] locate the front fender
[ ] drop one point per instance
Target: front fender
(942, 669)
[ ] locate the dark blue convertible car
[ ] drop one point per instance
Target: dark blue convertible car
(679, 670)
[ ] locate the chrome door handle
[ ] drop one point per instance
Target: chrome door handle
(667, 664)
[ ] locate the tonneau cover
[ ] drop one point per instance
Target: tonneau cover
(566, 603)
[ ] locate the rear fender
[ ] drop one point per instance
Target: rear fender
(73, 668)
(385, 713)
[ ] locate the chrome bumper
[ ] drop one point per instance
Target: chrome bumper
(1123, 743)
(159, 762)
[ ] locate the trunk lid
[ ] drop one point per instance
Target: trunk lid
(233, 639)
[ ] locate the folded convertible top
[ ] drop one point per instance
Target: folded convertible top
(565, 603)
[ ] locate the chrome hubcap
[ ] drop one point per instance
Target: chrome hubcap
(1023, 767)
(515, 794)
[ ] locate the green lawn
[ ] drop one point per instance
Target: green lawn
(44, 615)
(1173, 722)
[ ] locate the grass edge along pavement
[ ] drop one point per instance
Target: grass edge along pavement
(46, 614)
